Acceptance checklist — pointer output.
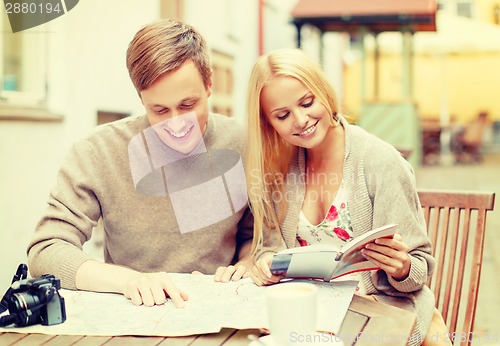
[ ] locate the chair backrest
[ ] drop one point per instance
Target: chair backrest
(456, 226)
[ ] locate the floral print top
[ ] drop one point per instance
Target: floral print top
(335, 229)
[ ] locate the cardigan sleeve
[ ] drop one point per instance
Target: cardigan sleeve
(67, 223)
(392, 186)
(272, 242)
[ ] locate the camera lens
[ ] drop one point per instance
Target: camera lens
(25, 301)
(20, 303)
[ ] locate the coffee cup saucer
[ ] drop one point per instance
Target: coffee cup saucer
(316, 339)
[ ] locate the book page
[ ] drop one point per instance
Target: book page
(352, 260)
(360, 241)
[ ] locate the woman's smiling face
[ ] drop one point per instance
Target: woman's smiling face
(295, 112)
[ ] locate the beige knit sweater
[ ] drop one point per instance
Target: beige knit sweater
(140, 228)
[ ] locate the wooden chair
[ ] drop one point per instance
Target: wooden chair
(456, 226)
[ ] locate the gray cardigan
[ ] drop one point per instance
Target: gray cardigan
(381, 189)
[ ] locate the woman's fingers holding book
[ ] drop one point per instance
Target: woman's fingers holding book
(261, 273)
(396, 243)
(391, 255)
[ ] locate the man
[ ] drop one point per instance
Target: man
(167, 185)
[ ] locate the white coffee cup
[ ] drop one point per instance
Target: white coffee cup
(291, 308)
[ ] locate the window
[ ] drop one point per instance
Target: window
(464, 9)
(104, 117)
(23, 64)
(222, 78)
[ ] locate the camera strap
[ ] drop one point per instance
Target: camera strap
(3, 304)
(7, 320)
(21, 274)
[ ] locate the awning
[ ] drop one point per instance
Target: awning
(376, 16)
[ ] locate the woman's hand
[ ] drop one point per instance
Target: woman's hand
(153, 289)
(240, 270)
(261, 272)
(391, 255)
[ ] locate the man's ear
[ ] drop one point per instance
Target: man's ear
(209, 88)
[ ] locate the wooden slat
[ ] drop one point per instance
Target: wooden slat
(135, 341)
(451, 261)
(444, 219)
(461, 270)
(434, 226)
(457, 199)
(63, 340)
(214, 339)
(178, 341)
(93, 340)
(431, 229)
(241, 337)
(11, 338)
(470, 312)
(34, 339)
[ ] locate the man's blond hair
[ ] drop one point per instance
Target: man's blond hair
(163, 46)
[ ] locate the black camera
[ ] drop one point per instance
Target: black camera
(33, 301)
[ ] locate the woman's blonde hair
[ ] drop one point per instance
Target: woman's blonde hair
(269, 156)
(163, 46)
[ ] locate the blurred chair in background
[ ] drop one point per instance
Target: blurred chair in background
(468, 141)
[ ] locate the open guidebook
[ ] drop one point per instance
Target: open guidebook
(328, 262)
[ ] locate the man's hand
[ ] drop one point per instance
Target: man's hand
(153, 289)
(141, 288)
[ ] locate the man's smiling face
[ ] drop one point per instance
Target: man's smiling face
(177, 107)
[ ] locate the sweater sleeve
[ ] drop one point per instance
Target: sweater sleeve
(395, 200)
(245, 231)
(67, 223)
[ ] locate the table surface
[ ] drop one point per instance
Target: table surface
(367, 323)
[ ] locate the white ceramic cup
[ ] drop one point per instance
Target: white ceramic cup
(291, 308)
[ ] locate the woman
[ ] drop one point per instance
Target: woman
(313, 177)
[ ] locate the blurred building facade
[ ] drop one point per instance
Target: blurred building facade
(455, 68)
